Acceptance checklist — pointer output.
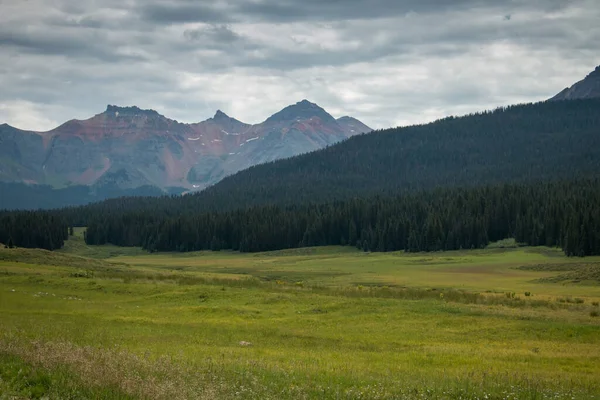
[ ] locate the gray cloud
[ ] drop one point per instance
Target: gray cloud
(318, 10)
(51, 43)
(213, 34)
(173, 12)
(387, 62)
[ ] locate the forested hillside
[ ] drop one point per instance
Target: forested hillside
(544, 141)
(558, 214)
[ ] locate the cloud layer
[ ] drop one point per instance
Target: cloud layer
(385, 62)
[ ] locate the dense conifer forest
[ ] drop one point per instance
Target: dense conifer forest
(33, 229)
(565, 214)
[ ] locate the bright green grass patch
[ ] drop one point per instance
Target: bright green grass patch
(324, 323)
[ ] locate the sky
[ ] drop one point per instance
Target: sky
(385, 62)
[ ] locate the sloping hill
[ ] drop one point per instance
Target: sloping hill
(543, 141)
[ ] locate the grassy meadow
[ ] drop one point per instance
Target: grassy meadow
(323, 323)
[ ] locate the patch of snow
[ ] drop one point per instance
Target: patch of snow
(251, 139)
(231, 154)
(216, 140)
(195, 186)
(193, 138)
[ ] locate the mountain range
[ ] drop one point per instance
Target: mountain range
(128, 147)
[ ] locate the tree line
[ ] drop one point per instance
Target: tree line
(564, 214)
(33, 229)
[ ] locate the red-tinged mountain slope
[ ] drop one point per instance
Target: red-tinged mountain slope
(130, 147)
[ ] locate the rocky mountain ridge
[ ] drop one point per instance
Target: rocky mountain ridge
(131, 147)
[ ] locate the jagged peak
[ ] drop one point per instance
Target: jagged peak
(131, 110)
(306, 104)
(303, 109)
(221, 118)
(221, 115)
(595, 73)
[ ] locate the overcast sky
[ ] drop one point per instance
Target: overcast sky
(386, 62)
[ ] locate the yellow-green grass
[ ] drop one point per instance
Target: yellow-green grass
(323, 323)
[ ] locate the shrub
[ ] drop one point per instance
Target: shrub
(527, 294)
(594, 313)
(82, 274)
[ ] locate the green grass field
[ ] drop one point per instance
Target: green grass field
(323, 323)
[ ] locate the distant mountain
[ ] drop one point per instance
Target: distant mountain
(128, 147)
(15, 196)
(587, 88)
